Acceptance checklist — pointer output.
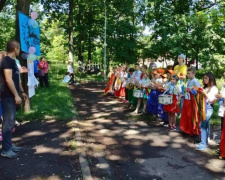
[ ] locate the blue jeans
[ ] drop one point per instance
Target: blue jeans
(205, 126)
(9, 115)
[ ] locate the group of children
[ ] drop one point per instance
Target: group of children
(188, 100)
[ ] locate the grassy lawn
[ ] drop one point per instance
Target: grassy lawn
(54, 102)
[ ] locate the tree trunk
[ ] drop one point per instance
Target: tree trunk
(196, 61)
(79, 43)
(2, 4)
(89, 33)
(197, 58)
(89, 47)
(24, 7)
(71, 48)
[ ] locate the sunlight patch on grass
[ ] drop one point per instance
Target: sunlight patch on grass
(55, 102)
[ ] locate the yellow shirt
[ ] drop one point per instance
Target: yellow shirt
(180, 69)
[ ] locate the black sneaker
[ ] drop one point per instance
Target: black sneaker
(9, 154)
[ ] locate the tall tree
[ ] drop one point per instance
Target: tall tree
(71, 27)
(2, 4)
(24, 7)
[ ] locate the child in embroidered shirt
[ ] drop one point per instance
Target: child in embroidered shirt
(152, 103)
(166, 84)
(143, 85)
(189, 121)
(173, 108)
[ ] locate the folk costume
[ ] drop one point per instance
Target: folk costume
(129, 87)
(124, 83)
(135, 77)
(189, 121)
(109, 87)
(152, 104)
(174, 90)
(143, 86)
(162, 112)
(222, 143)
(118, 83)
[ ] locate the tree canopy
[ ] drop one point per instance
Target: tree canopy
(195, 28)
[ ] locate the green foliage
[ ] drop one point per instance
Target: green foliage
(7, 29)
(195, 28)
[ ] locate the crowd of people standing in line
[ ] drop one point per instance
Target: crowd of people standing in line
(12, 92)
(167, 94)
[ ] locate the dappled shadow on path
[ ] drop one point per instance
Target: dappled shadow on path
(135, 149)
(47, 154)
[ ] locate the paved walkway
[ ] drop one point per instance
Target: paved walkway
(48, 153)
(119, 146)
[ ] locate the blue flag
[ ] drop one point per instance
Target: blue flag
(29, 36)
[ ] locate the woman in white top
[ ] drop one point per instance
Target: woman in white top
(210, 91)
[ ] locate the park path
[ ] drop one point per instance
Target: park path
(119, 146)
(47, 154)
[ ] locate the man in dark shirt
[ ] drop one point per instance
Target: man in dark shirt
(10, 88)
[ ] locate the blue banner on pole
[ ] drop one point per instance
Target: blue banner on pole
(29, 34)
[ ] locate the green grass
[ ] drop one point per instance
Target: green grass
(55, 102)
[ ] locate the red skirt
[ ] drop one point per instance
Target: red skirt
(222, 142)
(186, 121)
(172, 108)
(110, 84)
(121, 92)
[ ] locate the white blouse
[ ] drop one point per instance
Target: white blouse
(70, 69)
(211, 94)
(144, 82)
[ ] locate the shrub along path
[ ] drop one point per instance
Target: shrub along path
(119, 146)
